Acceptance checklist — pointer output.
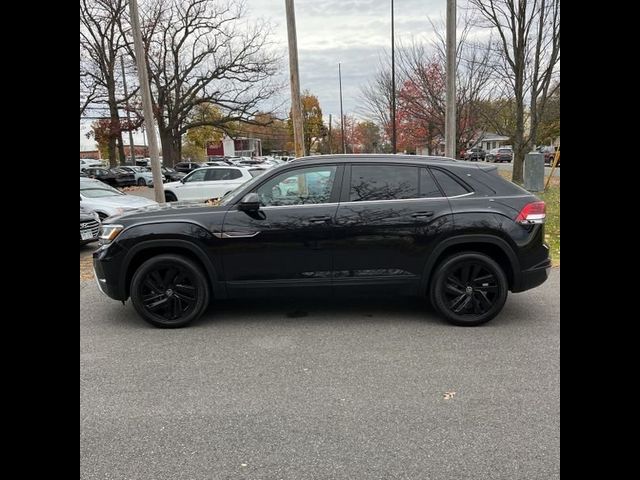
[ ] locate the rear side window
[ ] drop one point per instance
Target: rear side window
(383, 182)
(428, 187)
(223, 174)
(449, 185)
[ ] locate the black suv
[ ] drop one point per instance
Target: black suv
(454, 232)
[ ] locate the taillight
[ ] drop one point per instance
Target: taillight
(533, 212)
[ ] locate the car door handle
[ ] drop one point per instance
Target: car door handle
(320, 219)
(422, 214)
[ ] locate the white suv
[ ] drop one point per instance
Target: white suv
(208, 182)
(89, 162)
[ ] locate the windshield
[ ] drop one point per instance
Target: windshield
(504, 150)
(100, 192)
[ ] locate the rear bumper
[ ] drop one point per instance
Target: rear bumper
(532, 277)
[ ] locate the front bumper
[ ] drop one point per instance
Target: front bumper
(106, 269)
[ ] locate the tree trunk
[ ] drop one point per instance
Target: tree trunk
(114, 126)
(171, 147)
(121, 154)
(112, 152)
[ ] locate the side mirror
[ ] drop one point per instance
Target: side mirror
(250, 203)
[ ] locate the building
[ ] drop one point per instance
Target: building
(140, 151)
(238, 147)
(489, 141)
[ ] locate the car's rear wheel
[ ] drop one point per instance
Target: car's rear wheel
(142, 182)
(170, 197)
(169, 291)
(469, 288)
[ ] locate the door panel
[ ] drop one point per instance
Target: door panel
(286, 242)
(386, 242)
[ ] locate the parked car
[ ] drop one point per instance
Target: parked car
(116, 177)
(172, 175)
(377, 224)
(549, 154)
(186, 167)
(499, 155)
(89, 226)
(89, 162)
(142, 175)
(206, 183)
(475, 154)
(106, 201)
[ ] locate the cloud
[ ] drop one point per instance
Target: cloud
(353, 32)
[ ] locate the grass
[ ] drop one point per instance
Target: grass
(552, 227)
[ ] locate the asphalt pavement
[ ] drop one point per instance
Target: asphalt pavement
(339, 389)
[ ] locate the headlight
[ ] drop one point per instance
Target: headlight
(109, 232)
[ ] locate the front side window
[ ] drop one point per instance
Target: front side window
(196, 176)
(383, 182)
(305, 186)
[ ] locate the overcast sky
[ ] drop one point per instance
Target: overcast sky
(353, 32)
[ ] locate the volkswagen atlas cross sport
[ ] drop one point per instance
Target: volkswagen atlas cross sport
(453, 232)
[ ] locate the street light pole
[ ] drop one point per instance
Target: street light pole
(393, 85)
(450, 116)
(296, 107)
(146, 101)
(344, 144)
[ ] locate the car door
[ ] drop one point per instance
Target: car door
(287, 242)
(389, 219)
(192, 186)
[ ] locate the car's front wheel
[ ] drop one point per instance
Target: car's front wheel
(169, 291)
(142, 182)
(170, 197)
(469, 288)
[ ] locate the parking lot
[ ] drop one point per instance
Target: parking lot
(296, 389)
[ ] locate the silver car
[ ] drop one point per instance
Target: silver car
(143, 175)
(106, 201)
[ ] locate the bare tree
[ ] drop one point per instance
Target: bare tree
(102, 42)
(528, 41)
(200, 51)
(424, 66)
(422, 88)
(375, 96)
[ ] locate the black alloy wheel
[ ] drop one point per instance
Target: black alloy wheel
(469, 289)
(142, 182)
(169, 291)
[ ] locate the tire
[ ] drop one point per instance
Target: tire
(169, 291)
(450, 294)
(142, 182)
(170, 197)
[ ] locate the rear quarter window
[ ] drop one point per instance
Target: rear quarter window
(450, 186)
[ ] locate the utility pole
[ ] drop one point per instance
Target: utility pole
(450, 116)
(330, 146)
(126, 95)
(344, 144)
(296, 107)
(393, 85)
(146, 101)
